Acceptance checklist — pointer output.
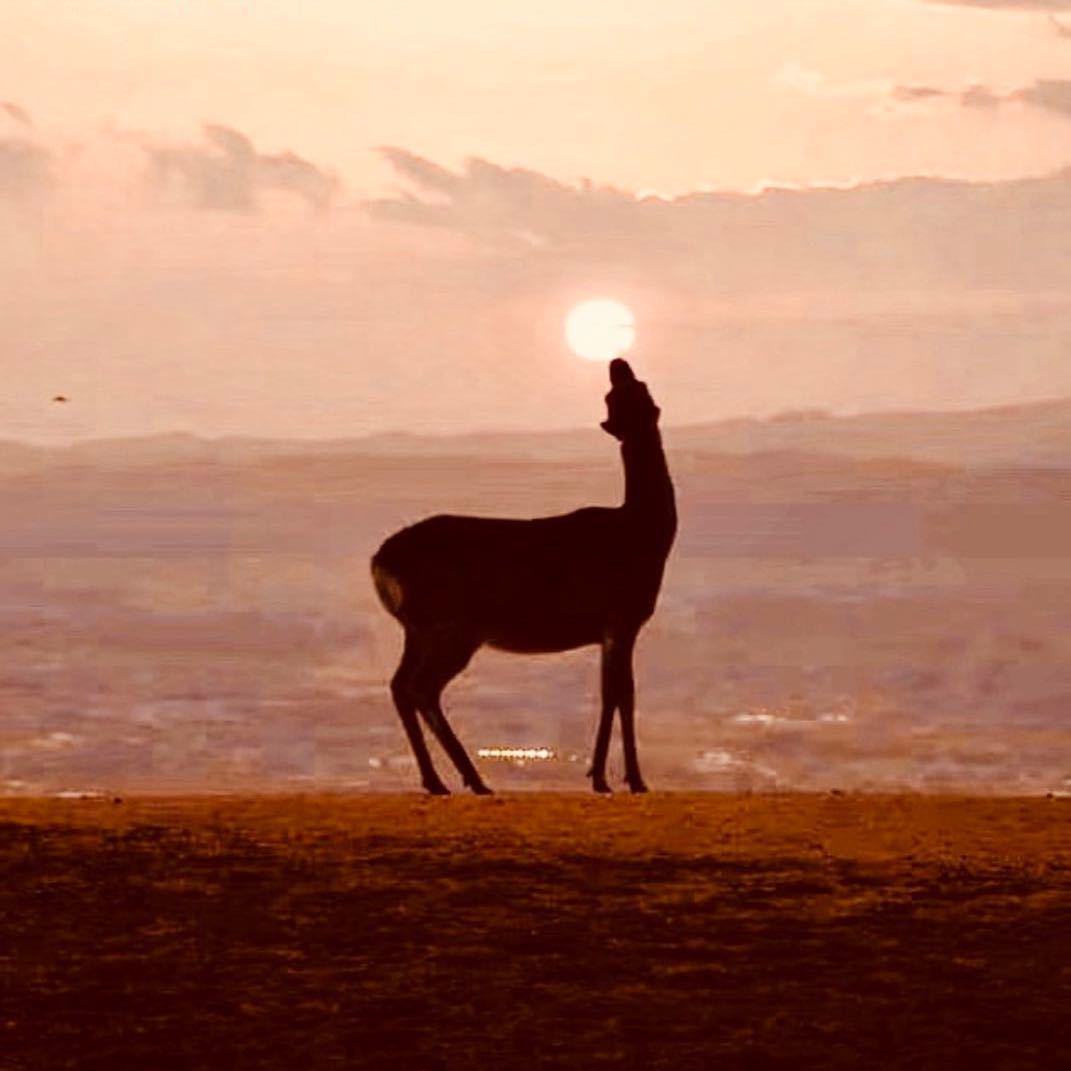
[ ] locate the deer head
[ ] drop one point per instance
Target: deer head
(629, 407)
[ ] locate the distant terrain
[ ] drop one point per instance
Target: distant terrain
(879, 601)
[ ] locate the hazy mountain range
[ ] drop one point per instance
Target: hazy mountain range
(1035, 433)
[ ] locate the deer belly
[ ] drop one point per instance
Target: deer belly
(563, 610)
(534, 640)
(541, 611)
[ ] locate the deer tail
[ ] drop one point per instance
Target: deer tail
(388, 588)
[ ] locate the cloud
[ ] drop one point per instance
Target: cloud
(1008, 5)
(25, 166)
(907, 233)
(887, 97)
(911, 93)
(228, 173)
(979, 97)
(1052, 94)
(1049, 94)
(14, 111)
(423, 172)
(501, 204)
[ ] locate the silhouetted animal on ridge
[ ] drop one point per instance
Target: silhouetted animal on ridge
(549, 584)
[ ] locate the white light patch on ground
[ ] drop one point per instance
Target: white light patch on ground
(747, 717)
(51, 741)
(518, 754)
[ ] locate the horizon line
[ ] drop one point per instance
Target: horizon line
(801, 413)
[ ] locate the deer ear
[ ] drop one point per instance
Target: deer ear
(621, 373)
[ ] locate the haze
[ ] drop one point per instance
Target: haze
(332, 219)
(302, 222)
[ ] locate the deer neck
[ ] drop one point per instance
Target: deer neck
(649, 498)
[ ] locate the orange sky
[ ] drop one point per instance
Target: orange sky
(168, 278)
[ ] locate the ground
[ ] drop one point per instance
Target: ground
(535, 930)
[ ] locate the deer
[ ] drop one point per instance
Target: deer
(549, 584)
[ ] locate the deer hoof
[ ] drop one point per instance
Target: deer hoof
(480, 789)
(436, 788)
(598, 781)
(637, 787)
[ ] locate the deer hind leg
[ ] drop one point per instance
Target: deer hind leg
(440, 664)
(404, 695)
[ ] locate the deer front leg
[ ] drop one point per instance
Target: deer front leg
(611, 678)
(626, 700)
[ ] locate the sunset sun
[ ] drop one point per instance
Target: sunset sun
(600, 330)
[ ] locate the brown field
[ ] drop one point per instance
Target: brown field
(539, 930)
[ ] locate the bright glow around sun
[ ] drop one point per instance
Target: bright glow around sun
(600, 330)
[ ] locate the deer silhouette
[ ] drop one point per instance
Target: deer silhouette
(535, 586)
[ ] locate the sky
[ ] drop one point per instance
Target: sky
(336, 218)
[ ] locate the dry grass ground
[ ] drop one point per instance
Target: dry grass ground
(672, 931)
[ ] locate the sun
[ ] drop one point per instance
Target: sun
(600, 330)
